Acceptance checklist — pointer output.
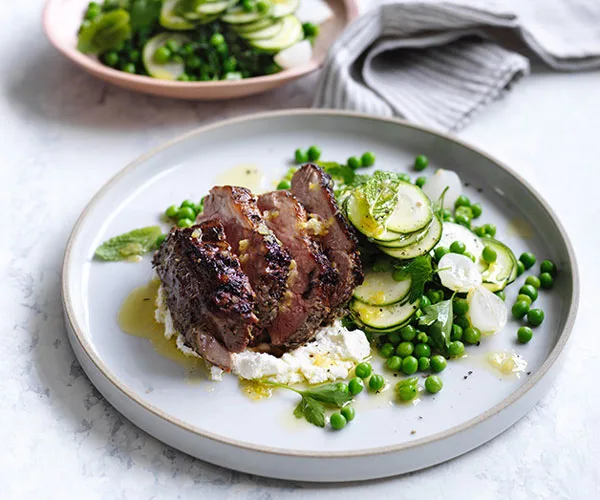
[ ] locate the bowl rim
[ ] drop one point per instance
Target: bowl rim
(94, 66)
(417, 443)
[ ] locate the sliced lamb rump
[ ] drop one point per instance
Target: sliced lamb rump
(209, 296)
(261, 255)
(306, 303)
(314, 188)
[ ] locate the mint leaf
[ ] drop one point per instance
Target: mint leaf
(107, 31)
(136, 242)
(420, 272)
(144, 14)
(380, 191)
(331, 394)
(439, 318)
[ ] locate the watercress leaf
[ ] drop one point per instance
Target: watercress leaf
(420, 272)
(144, 14)
(106, 32)
(331, 394)
(313, 411)
(439, 318)
(136, 242)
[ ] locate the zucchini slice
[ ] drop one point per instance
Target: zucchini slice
(170, 20)
(409, 239)
(170, 70)
(413, 210)
(283, 8)
(383, 317)
(239, 16)
(381, 289)
(499, 273)
(422, 247)
(265, 33)
(455, 232)
(291, 33)
(213, 8)
(358, 214)
(265, 22)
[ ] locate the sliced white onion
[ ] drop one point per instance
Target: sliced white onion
(487, 311)
(438, 182)
(458, 273)
(313, 11)
(294, 56)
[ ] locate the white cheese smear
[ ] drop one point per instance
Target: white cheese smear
(332, 355)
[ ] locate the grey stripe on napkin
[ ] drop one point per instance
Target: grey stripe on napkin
(438, 63)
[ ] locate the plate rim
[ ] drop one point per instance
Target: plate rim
(550, 361)
(95, 67)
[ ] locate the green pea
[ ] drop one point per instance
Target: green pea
(433, 384)
(535, 317)
(367, 159)
(386, 350)
(229, 65)
(301, 156)
(546, 281)
(471, 335)
(524, 334)
(407, 389)
(501, 294)
(463, 322)
(439, 252)
(341, 386)
(355, 386)
(314, 153)
(408, 333)
(435, 296)
(187, 203)
(263, 6)
(160, 240)
(422, 351)
(284, 185)
(421, 163)
(489, 254)
(311, 30)
(186, 213)
(354, 162)
(446, 214)
(193, 62)
(520, 309)
(520, 268)
(337, 421)
(528, 259)
(405, 349)
(438, 363)
(529, 290)
(376, 383)
(456, 349)
(394, 363)
(185, 222)
(490, 229)
(460, 306)
(547, 266)
(134, 56)
(462, 201)
(128, 68)
(111, 59)
(162, 55)
(524, 297)
(171, 212)
(348, 412)
(457, 247)
(424, 364)
(410, 365)
(420, 181)
(476, 210)
(363, 370)
(422, 337)
(463, 220)
(479, 231)
(457, 332)
(534, 281)
(217, 39)
(425, 302)
(466, 211)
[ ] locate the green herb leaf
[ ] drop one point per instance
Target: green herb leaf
(331, 394)
(136, 242)
(299, 410)
(338, 171)
(144, 14)
(106, 32)
(420, 272)
(439, 318)
(312, 410)
(381, 194)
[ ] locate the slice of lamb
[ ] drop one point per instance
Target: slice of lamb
(208, 295)
(314, 188)
(306, 303)
(261, 255)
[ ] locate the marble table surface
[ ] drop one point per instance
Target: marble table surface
(63, 134)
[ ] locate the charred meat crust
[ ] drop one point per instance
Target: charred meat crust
(209, 296)
(262, 257)
(314, 188)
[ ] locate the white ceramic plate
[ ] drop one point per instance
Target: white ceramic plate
(214, 421)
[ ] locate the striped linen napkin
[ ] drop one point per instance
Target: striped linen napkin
(437, 63)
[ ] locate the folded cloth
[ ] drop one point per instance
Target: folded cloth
(437, 63)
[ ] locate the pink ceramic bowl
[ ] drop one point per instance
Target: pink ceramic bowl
(63, 17)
